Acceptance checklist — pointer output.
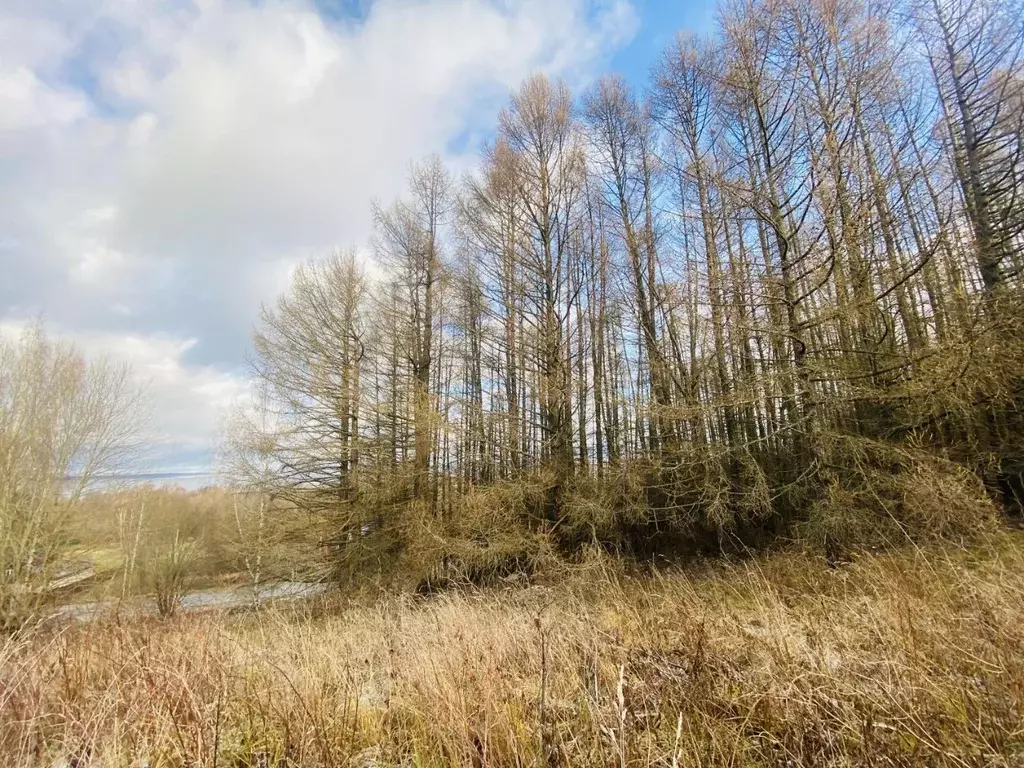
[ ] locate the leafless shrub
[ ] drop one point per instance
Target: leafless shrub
(169, 571)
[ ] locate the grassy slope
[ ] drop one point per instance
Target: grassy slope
(915, 658)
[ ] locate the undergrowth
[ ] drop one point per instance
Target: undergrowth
(913, 657)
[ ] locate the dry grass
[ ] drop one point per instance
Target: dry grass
(914, 658)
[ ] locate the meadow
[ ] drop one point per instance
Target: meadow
(911, 657)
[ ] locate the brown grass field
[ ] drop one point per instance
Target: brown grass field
(907, 658)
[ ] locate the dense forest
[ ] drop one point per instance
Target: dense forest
(776, 295)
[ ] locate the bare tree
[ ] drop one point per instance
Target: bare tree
(66, 424)
(310, 354)
(409, 244)
(547, 156)
(975, 51)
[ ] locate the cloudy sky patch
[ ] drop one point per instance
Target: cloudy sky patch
(164, 163)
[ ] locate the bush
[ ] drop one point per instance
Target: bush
(602, 511)
(492, 534)
(170, 574)
(873, 493)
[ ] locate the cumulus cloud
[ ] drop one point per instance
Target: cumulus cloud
(162, 164)
(184, 403)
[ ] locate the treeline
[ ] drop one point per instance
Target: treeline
(778, 293)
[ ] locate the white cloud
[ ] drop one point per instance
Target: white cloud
(29, 103)
(162, 164)
(185, 402)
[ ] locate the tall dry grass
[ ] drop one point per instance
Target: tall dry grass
(913, 658)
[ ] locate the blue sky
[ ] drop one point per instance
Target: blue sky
(660, 20)
(164, 164)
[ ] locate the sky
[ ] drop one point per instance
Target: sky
(164, 164)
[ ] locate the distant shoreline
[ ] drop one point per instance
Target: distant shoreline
(187, 480)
